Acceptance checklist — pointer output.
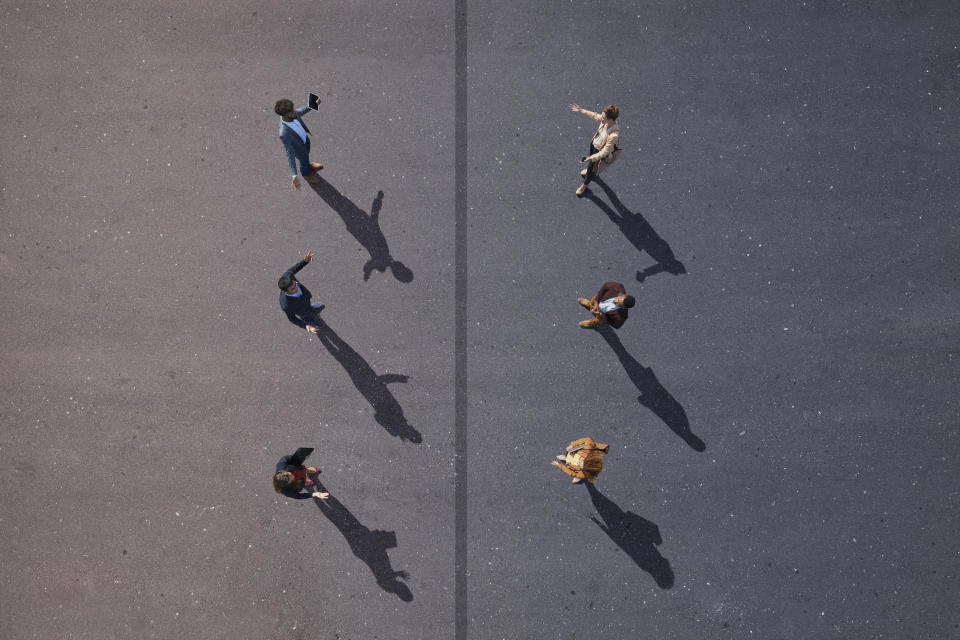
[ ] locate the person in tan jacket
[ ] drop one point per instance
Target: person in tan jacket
(603, 145)
(584, 460)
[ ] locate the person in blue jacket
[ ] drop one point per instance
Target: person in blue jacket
(296, 299)
(296, 141)
(291, 477)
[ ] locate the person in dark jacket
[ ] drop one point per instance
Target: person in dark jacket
(295, 299)
(609, 306)
(295, 137)
(291, 477)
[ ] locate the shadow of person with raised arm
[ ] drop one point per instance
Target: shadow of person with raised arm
(638, 231)
(370, 546)
(366, 229)
(652, 394)
(387, 411)
(637, 536)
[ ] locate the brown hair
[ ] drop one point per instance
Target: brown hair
(611, 112)
(283, 480)
(283, 106)
(592, 464)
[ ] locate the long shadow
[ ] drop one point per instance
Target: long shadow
(638, 231)
(387, 411)
(366, 229)
(369, 546)
(652, 394)
(637, 536)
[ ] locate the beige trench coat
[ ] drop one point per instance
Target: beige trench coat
(606, 153)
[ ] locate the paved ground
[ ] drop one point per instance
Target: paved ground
(781, 406)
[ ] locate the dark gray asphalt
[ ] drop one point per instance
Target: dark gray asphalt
(781, 406)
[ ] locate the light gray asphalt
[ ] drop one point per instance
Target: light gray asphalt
(781, 405)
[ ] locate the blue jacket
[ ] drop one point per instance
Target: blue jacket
(300, 305)
(293, 492)
(292, 142)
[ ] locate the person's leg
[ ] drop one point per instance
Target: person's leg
(595, 321)
(307, 168)
(591, 167)
(587, 173)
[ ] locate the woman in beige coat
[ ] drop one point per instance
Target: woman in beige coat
(603, 146)
(584, 460)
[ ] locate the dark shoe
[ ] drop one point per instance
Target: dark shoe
(316, 166)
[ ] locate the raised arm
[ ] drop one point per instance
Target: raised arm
(590, 114)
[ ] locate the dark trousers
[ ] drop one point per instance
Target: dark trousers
(591, 165)
(304, 159)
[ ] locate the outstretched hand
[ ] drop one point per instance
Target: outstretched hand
(309, 256)
(575, 108)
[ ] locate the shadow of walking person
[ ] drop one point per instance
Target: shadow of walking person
(370, 546)
(387, 411)
(638, 231)
(652, 394)
(366, 229)
(637, 536)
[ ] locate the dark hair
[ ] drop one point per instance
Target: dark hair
(283, 480)
(283, 106)
(284, 282)
(628, 302)
(610, 111)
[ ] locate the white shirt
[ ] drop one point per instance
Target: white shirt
(608, 305)
(599, 138)
(297, 128)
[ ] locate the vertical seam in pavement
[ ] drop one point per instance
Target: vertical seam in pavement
(460, 320)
